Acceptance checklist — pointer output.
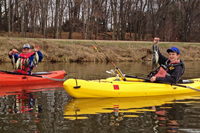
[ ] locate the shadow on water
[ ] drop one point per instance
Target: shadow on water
(48, 108)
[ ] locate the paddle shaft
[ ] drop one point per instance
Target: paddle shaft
(129, 76)
(32, 75)
(148, 80)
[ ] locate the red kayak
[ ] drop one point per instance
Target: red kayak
(12, 78)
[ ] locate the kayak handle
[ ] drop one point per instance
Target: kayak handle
(76, 87)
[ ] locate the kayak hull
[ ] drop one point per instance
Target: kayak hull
(13, 79)
(78, 88)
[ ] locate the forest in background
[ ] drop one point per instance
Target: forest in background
(139, 20)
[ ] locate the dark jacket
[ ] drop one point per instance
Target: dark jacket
(175, 71)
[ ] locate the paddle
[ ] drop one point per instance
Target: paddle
(33, 75)
(148, 80)
(129, 76)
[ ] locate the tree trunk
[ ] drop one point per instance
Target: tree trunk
(83, 20)
(9, 3)
(56, 19)
(22, 19)
(12, 21)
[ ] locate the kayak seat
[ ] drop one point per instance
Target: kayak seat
(185, 81)
(41, 73)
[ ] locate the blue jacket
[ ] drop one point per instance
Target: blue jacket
(16, 56)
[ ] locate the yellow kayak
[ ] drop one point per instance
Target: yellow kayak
(77, 108)
(132, 87)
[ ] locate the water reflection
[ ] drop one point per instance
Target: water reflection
(178, 113)
(26, 105)
(160, 113)
(18, 89)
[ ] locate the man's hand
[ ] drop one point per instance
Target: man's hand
(153, 79)
(37, 47)
(13, 51)
(155, 41)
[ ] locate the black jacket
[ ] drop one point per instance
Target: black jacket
(174, 73)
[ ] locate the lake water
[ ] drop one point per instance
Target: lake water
(49, 109)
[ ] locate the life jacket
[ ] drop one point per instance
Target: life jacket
(24, 57)
(162, 70)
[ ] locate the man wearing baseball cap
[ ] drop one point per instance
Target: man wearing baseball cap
(27, 60)
(171, 68)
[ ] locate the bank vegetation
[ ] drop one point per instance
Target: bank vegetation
(65, 50)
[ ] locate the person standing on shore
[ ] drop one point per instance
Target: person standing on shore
(27, 60)
(171, 68)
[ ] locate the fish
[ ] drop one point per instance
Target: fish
(21, 64)
(26, 62)
(36, 59)
(17, 63)
(13, 61)
(155, 57)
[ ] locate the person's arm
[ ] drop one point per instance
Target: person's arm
(173, 78)
(13, 52)
(37, 48)
(162, 59)
(40, 56)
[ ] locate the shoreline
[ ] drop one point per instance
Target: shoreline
(65, 50)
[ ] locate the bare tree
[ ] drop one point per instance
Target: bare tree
(9, 14)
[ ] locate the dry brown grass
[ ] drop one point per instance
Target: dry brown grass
(83, 50)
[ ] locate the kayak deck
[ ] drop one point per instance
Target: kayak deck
(15, 79)
(132, 87)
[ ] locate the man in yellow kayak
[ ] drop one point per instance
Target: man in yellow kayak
(171, 68)
(27, 60)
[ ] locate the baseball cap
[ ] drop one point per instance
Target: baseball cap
(27, 46)
(173, 49)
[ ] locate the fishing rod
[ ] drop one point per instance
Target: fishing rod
(101, 50)
(117, 69)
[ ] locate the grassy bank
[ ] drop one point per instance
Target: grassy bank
(83, 50)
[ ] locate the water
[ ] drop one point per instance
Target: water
(48, 108)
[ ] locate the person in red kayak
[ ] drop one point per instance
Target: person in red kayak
(171, 68)
(27, 60)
